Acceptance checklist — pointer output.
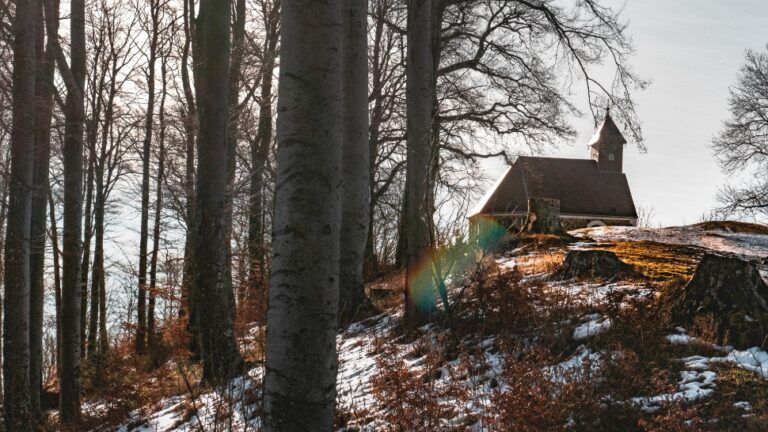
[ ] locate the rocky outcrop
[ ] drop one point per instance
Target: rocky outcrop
(732, 293)
(594, 264)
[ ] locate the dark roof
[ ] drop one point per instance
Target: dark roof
(607, 132)
(577, 183)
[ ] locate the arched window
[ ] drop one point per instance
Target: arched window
(611, 157)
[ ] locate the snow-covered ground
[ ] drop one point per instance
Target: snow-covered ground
(361, 353)
(745, 244)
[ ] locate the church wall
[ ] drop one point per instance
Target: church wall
(513, 223)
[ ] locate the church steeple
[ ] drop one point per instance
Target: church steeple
(607, 146)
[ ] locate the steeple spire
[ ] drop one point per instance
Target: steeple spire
(607, 145)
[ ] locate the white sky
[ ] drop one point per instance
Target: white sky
(691, 50)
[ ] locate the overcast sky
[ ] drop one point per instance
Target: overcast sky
(691, 50)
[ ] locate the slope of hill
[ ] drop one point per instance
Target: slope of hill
(525, 350)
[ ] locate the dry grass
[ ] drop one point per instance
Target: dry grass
(734, 226)
(387, 291)
(544, 262)
(660, 262)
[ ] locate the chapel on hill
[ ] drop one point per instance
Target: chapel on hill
(592, 192)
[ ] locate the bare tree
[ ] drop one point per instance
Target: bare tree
(419, 294)
(260, 145)
(386, 129)
(44, 89)
(74, 78)
(161, 156)
(190, 134)
(221, 358)
(300, 380)
(741, 145)
(153, 30)
(115, 64)
(355, 195)
(87, 235)
(16, 361)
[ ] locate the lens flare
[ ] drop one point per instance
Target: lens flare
(427, 280)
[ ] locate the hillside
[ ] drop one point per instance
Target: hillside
(525, 349)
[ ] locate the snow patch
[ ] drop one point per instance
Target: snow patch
(693, 385)
(753, 359)
(746, 245)
(591, 328)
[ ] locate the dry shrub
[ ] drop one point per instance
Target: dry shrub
(412, 398)
(386, 292)
(705, 328)
(512, 309)
(124, 382)
(529, 402)
(675, 418)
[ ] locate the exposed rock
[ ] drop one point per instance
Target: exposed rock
(594, 264)
(543, 216)
(732, 292)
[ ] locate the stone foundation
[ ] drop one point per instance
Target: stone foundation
(515, 223)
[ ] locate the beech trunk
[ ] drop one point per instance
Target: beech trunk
(300, 380)
(420, 290)
(16, 355)
(221, 359)
(355, 196)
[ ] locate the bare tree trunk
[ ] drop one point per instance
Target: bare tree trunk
(151, 330)
(56, 277)
(221, 359)
(141, 324)
(419, 294)
(44, 89)
(17, 409)
(438, 8)
(86, 252)
(300, 380)
(236, 55)
(259, 152)
(73, 214)
(188, 302)
(98, 277)
(103, 337)
(3, 218)
(355, 195)
(370, 261)
(93, 320)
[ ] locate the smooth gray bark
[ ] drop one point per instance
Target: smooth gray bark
(221, 359)
(235, 66)
(69, 381)
(419, 294)
(301, 364)
(355, 197)
(187, 307)
(44, 89)
(16, 355)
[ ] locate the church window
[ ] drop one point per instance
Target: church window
(611, 157)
